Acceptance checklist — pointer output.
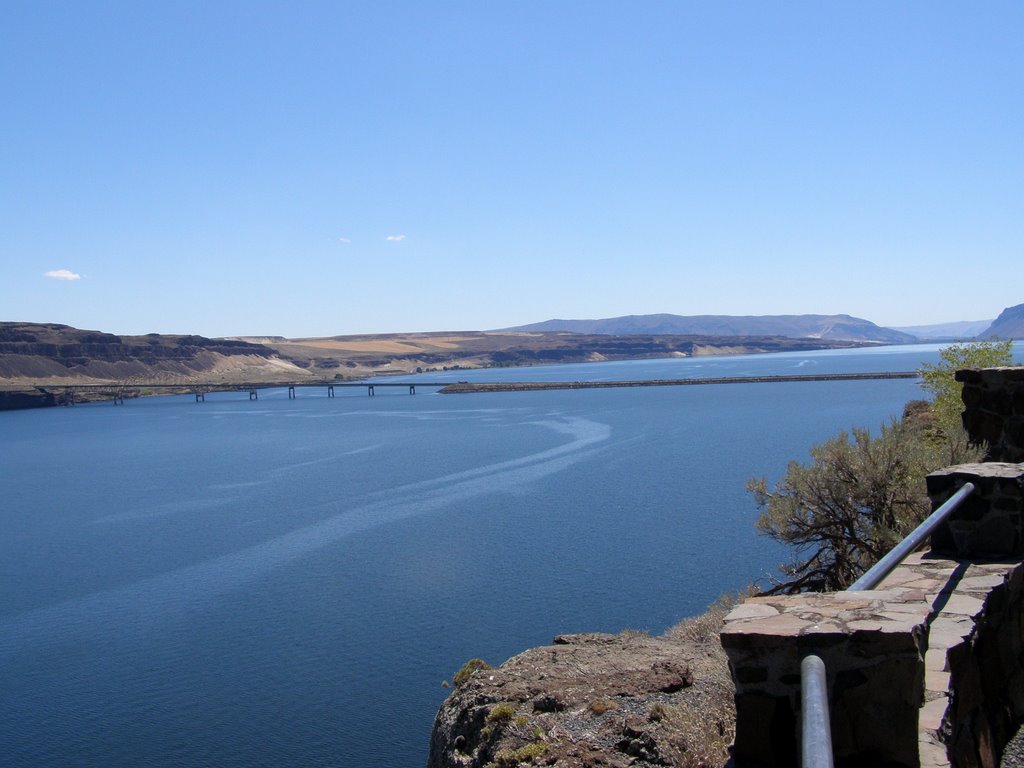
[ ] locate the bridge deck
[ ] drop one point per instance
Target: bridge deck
(118, 390)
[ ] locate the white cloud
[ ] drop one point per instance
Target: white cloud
(395, 238)
(62, 274)
(344, 240)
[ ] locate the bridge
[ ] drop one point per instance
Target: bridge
(117, 391)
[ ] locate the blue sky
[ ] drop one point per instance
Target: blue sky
(320, 168)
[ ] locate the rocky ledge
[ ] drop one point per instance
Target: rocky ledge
(594, 700)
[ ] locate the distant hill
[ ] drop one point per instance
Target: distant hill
(1009, 325)
(40, 354)
(830, 327)
(962, 329)
(54, 354)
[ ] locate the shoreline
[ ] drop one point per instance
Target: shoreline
(43, 396)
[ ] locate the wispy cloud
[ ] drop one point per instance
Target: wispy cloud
(344, 240)
(62, 274)
(395, 238)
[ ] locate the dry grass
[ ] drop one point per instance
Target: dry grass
(707, 722)
(501, 713)
(600, 706)
(467, 671)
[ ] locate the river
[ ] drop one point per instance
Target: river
(288, 582)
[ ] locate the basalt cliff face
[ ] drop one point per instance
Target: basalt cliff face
(1009, 324)
(49, 353)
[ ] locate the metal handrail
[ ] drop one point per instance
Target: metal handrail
(874, 575)
(816, 728)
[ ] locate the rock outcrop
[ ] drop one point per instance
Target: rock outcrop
(1009, 325)
(594, 700)
(49, 353)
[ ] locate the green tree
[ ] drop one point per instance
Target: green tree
(940, 382)
(856, 499)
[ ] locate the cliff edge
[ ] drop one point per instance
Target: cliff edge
(595, 700)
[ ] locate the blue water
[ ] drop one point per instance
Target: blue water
(287, 582)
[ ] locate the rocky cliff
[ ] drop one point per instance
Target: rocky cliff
(38, 353)
(594, 700)
(1009, 324)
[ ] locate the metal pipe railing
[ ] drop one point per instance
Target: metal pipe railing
(815, 725)
(816, 730)
(874, 575)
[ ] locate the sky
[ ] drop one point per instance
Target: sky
(321, 168)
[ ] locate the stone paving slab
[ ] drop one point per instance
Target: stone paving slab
(957, 589)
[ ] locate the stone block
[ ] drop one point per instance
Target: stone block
(990, 522)
(1018, 401)
(872, 646)
(993, 398)
(983, 427)
(766, 740)
(968, 376)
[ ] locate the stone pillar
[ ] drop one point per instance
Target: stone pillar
(990, 522)
(994, 410)
(872, 644)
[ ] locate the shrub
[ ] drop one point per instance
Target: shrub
(600, 706)
(511, 758)
(657, 713)
(468, 669)
(857, 498)
(501, 713)
(940, 382)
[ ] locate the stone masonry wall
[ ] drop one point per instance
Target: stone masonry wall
(986, 686)
(873, 646)
(925, 671)
(994, 410)
(990, 522)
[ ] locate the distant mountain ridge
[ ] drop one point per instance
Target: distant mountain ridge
(1009, 325)
(830, 327)
(961, 329)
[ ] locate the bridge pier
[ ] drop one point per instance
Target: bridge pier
(330, 390)
(200, 396)
(254, 394)
(291, 393)
(369, 390)
(69, 396)
(412, 389)
(119, 397)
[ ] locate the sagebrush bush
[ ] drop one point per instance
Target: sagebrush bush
(468, 669)
(501, 713)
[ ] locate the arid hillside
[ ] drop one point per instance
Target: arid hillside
(354, 356)
(48, 354)
(37, 354)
